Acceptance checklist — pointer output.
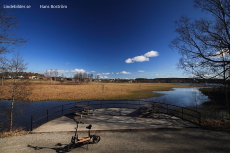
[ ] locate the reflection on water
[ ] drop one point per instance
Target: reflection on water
(182, 97)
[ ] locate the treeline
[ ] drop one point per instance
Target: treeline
(10, 74)
(83, 77)
(177, 80)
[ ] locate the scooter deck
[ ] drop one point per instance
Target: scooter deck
(83, 139)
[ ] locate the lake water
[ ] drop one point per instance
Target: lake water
(179, 96)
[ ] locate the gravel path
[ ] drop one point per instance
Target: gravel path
(159, 140)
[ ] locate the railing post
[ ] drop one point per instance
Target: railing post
(47, 117)
(182, 112)
(31, 123)
(167, 108)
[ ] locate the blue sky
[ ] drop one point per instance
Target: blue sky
(112, 38)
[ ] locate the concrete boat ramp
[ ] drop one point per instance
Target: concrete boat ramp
(114, 119)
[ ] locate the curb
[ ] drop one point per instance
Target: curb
(122, 130)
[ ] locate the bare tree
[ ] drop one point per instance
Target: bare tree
(51, 74)
(84, 75)
(205, 43)
(63, 78)
(97, 78)
(90, 76)
(80, 77)
(55, 75)
(19, 87)
(8, 40)
(47, 75)
(76, 77)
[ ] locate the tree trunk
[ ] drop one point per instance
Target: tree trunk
(227, 100)
(12, 104)
(2, 81)
(3, 78)
(11, 114)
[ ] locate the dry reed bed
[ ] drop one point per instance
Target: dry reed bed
(15, 132)
(93, 91)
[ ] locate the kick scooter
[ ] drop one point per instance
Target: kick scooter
(83, 140)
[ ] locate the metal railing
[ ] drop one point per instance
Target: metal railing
(181, 112)
(44, 116)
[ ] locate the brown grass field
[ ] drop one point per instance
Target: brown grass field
(91, 91)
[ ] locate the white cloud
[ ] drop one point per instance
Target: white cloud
(92, 71)
(117, 73)
(62, 71)
(142, 58)
(129, 60)
(98, 74)
(105, 73)
(59, 71)
(124, 72)
(140, 71)
(78, 71)
(151, 54)
(103, 77)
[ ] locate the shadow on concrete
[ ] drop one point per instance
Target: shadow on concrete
(58, 148)
(61, 148)
(114, 119)
(106, 119)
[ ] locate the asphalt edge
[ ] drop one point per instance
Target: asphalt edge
(122, 130)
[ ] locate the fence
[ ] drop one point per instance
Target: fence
(181, 112)
(44, 116)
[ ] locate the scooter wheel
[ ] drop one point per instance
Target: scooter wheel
(70, 147)
(96, 138)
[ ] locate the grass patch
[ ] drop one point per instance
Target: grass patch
(222, 124)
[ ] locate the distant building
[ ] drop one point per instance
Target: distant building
(31, 77)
